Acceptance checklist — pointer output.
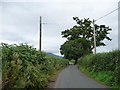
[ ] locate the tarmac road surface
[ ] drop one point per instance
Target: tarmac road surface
(71, 77)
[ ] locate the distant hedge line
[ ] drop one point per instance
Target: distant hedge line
(25, 67)
(104, 67)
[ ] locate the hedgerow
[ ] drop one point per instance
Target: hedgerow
(25, 67)
(104, 67)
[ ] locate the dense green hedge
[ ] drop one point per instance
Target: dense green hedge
(25, 67)
(104, 67)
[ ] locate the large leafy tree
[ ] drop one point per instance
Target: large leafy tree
(75, 49)
(79, 35)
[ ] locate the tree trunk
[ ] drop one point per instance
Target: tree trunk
(75, 62)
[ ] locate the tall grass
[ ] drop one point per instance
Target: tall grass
(104, 67)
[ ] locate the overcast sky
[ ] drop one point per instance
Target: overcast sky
(20, 21)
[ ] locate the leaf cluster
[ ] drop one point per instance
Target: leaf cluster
(25, 67)
(107, 63)
(80, 38)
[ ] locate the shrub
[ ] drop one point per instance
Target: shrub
(25, 67)
(103, 63)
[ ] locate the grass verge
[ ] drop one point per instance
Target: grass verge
(101, 77)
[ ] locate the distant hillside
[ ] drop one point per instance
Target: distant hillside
(51, 54)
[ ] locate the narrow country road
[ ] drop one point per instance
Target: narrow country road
(71, 77)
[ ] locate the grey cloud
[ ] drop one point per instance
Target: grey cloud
(21, 21)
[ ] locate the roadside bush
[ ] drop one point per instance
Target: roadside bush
(103, 66)
(25, 67)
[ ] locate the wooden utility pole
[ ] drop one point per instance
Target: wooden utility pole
(40, 37)
(94, 37)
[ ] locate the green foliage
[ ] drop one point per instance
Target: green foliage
(80, 38)
(25, 67)
(103, 67)
(74, 49)
(86, 31)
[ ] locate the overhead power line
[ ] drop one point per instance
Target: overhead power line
(107, 14)
(94, 27)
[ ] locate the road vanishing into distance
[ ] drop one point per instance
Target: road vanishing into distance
(71, 77)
